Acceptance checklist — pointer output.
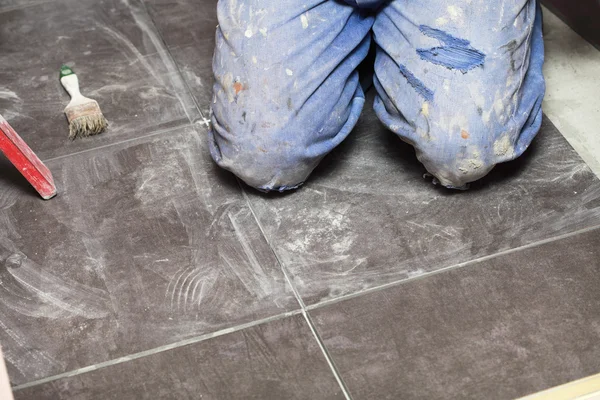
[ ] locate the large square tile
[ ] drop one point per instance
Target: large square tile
(277, 360)
(146, 244)
(367, 217)
(497, 329)
(118, 56)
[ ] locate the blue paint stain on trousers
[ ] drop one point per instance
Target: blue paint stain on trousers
(461, 81)
(455, 53)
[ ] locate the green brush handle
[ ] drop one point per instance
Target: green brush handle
(66, 71)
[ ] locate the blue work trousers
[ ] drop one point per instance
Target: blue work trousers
(460, 80)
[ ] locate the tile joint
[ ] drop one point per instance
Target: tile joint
(157, 350)
(395, 283)
(308, 319)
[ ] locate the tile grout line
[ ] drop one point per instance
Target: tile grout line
(157, 350)
(155, 133)
(385, 286)
(168, 51)
(262, 231)
(304, 311)
(151, 31)
(327, 356)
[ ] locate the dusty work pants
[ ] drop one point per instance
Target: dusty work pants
(460, 80)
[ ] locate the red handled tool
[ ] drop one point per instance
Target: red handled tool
(22, 157)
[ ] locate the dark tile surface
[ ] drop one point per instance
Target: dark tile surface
(367, 217)
(498, 329)
(278, 360)
(118, 55)
(188, 27)
(184, 22)
(195, 63)
(147, 243)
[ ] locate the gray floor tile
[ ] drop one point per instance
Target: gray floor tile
(367, 217)
(188, 27)
(147, 243)
(498, 329)
(184, 22)
(195, 64)
(119, 57)
(274, 361)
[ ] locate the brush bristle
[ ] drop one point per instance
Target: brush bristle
(87, 126)
(85, 119)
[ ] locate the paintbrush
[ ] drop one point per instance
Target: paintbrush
(83, 114)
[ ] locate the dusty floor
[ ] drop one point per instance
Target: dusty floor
(155, 275)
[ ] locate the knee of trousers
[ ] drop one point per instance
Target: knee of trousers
(274, 150)
(462, 143)
(286, 89)
(457, 157)
(268, 165)
(456, 164)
